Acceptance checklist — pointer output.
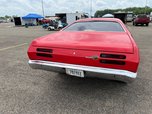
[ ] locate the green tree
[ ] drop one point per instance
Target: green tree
(135, 10)
(6, 16)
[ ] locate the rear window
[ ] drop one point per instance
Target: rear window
(142, 16)
(105, 26)
(129, 15)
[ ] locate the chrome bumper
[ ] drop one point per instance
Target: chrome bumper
(106, 73)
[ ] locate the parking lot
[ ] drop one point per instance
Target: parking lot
(27, 91)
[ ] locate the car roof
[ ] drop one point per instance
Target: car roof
(99, 19)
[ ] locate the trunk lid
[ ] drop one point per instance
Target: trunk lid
(97, 41)
(143, 20)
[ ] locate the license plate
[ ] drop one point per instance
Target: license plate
(74, 72)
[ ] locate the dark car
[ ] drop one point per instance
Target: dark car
(141, 19)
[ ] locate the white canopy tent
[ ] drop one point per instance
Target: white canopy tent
(108, 16)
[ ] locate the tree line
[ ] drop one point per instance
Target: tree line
(135, 10)
(7, 17)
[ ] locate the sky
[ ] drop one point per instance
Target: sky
(23, 7)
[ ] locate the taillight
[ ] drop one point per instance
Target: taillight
(42, 52)
(116, 59)
(115, 56)
(112, 62)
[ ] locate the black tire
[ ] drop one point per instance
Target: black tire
(133, 24)
(147, 24)
(59, 28)
(49, 29)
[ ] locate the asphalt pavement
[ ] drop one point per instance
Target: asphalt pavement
(27, 91)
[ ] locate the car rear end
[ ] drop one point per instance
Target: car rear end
(85, 62)
(108, 55)
(142, 19)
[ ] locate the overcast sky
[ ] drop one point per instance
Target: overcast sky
(23, 7)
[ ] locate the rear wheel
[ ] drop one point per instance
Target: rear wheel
(136, 24)
(49, 29)
(133, 23)
(147, 24)
(59, 28)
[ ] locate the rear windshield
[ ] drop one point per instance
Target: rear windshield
(105, 26)
(142, 16)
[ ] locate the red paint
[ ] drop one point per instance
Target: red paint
(74, 47)
(142, 20)
(44, 21)
(100, 41)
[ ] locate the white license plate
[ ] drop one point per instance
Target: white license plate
(74, 72)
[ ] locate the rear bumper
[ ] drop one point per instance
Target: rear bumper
(106, 73)
(141, 22)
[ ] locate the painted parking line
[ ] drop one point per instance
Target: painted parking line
(11, 47)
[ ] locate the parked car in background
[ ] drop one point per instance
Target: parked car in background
(56, 25)
(130, 16)
(45, 26)
(151, 16)
(1, 21)
(141, 19)
(51, 28)
(45, 21)
(96, 47)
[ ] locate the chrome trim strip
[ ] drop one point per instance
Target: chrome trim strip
(124, 73)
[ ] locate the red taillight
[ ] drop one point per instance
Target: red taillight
(112, 59)
(42, 52)
(112, 62)
(44, 55)
(115, 56)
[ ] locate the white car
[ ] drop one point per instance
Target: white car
(51, 28)
(150, 16)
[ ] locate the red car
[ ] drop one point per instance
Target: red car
(96, 47)
(141, 19)
(44, 21)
